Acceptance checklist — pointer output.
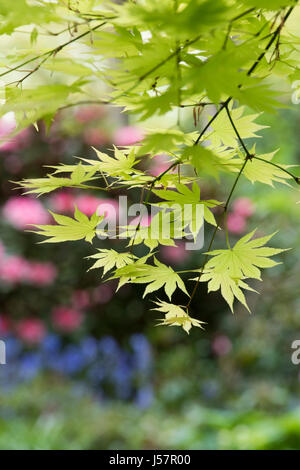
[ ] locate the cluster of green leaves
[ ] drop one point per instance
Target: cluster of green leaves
(155, 57)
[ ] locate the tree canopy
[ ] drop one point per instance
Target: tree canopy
(226, 61)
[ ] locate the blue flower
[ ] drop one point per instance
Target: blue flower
(51, 344)
(89, 348)
(72, 360)
(144, 396)
(30, 365)
(13, 348)
(142, 354)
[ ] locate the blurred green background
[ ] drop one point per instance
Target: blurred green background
(87, 368)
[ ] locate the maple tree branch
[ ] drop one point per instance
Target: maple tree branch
(53, 51)
(275, 34)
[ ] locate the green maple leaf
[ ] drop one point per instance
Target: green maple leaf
(156, 277)
(79, 174)
(164, 141)
(189, 199)
(175, 315)
(160, 231)
(68, 229)
(223, 132)
(108, 259)
(210, 160)
(228, 268)
(258, 170)
(119, 165)
(230, 287)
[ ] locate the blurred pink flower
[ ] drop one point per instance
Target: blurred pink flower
(128, 135)
(66, 319)
(236, 223)
(22, 211)
(63, 202)
(13, 269)
(13, 164)
(2, 250)
(41, 273)
(7, 125)
(159, 163)
(175, 254)
(31, 330)
(109, 208)
(5, 325)
(144, 221)
(94, 136)
(243, 206)
(90, 113)
(158, 169)
(221, 345)
(81, 299)
(87, 204)
(90, 204)
(102, 294)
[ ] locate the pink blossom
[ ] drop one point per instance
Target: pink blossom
(236, 223)
(103, 294)
(7, 126)
(87, 204)
(90, 204)
(159, 164)
(175, 254)
(22, 211)
(62, 202)
(13, 269)
(66, 319)
(128, 135)
(31, 330)
(81, 299)
(41, 273)
(143, 221)
(109, 208)
(5, 325)
(94, 136)
(89, 113)
(243, 206)
(156, 170)
(13, 164)
(221, 345)
(2, 250)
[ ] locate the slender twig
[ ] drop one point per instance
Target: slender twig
(236, 131)
(248, 155)
(53, 51)
(295, 178)
(249, 72)
(226, 230)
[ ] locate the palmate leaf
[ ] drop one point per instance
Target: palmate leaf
(68, 229)
(230, 287)
(156, 277)
(211, 161)
(30, 105)
(159, 141)
(263, 172)
(223, 132)
(80, 174)
(121, 165)
(160, 231)
(189, 199)
(175, 315)
(228, 268)
(108, 259)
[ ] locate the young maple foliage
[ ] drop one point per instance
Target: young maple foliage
(219, 59)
